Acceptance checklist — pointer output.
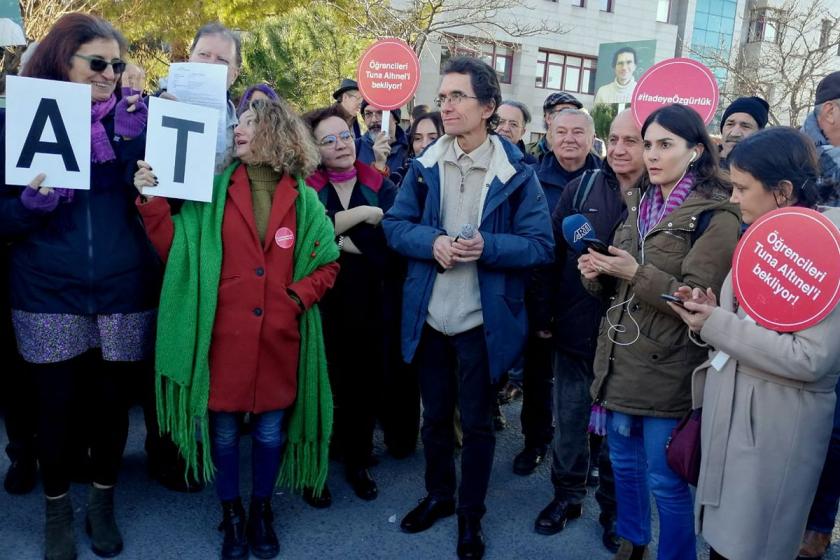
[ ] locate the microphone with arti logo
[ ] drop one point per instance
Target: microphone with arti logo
(580, 235)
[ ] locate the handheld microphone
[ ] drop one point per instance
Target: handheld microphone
(576, 228)
(580, 235)
(467, 232)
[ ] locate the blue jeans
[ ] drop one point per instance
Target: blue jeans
(637, 452)
(267, 435)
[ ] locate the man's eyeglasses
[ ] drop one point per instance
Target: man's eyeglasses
(454, 98)
(330, 140)
(98, 64)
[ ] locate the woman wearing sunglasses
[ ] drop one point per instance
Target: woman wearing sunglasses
(83, 285)
(769, 407)
(356, 197)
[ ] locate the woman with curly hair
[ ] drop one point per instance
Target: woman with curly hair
(238, 330)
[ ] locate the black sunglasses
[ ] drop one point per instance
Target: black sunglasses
(100, 64)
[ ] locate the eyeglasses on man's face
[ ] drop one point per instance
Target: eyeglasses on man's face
(331, 140)
(98, 64)
(453, 98)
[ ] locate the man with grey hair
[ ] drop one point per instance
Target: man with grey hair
(216, 44)
(573, 131)
(514, 118)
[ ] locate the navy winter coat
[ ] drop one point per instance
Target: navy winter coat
(516, 228)
(89, 256)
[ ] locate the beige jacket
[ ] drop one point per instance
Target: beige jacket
(767, 420)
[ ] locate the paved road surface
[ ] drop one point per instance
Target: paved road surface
(162, 525)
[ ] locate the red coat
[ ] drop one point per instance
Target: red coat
(254, 353)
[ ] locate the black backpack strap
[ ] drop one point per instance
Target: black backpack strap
(584, 188)
(703, 222)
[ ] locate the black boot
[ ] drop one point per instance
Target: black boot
(22, 475)
(59, 536)
(105, 538)
(235, 544)
(261, 535)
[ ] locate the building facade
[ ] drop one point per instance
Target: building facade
(531, 68)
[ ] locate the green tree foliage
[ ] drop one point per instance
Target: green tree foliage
(603, 116)
(302, 54)
(176, 21)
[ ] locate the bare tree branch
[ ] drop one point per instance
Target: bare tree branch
(784, 71)
(415, 21)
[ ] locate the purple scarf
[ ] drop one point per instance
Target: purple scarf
(100, 145)
(655, 208)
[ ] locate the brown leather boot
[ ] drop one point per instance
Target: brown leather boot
(814, 545)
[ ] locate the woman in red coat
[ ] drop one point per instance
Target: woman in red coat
(255, 238)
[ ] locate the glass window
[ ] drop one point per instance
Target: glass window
(498, 57)
(663, 11)
(716, 7)
(540, 73)
(764, 26)
(555, 77)
(825, 33)
(606, 5)
(572, 82)
(729, 8)
(579, 3)
(572, 73)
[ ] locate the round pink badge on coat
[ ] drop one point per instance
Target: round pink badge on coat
(284, 237)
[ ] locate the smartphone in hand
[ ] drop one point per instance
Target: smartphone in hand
(672, 299)
(597, 245)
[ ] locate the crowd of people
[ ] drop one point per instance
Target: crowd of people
(345, 276)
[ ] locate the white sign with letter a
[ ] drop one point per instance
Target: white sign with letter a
(47, 131)
(181, 148)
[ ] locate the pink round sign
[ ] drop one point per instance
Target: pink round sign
(676, 80)
(786, 269)
(284, 237)
(388, 74)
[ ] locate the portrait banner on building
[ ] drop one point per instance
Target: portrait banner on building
(619, 66)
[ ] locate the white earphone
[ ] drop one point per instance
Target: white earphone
(693, 157)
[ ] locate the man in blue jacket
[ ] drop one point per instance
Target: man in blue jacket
(472, 219)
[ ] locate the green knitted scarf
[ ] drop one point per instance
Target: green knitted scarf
(185, 325)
